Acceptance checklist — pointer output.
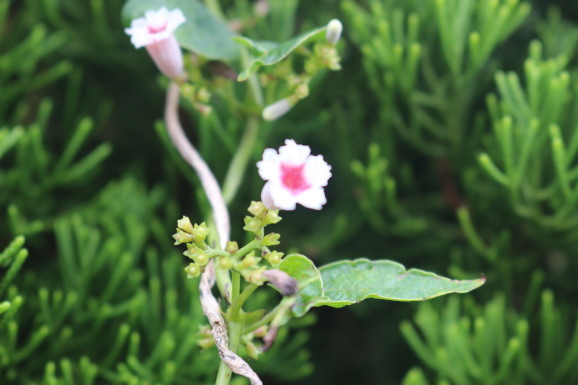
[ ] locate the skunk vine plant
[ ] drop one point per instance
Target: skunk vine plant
(294, 176)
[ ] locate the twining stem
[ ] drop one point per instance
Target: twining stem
(235, 330)
(190, 154)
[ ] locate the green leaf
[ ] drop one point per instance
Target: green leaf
(348, 282)
(309, 281)
(266, 53)
(202, 32)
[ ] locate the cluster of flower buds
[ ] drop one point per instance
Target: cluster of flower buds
(255, 262)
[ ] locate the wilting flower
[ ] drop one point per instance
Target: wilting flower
(155, 31)
(294, 176)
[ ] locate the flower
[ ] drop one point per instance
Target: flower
(155, 31)
(294, 176)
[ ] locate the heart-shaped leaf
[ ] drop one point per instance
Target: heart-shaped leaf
(202, 32)
(348, 282)
(309, 281)
(266, 53)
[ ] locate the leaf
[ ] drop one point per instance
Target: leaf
(309, 281)
(266, 53)
(348, 282)
(202, 32)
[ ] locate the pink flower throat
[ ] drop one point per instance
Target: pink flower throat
(157, 28)
(293, 178)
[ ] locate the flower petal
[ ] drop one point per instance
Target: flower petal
(313, 198)
(293, 153)
(269, 167)
(317, 171)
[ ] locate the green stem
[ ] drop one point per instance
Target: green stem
(236, 285)
(236, 170)
(253, 245)
(236, 306)
(263, 321)
(243, 155)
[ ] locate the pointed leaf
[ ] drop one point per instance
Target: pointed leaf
(348, 282)
(202, 32)
(266, 53)
(309, 280)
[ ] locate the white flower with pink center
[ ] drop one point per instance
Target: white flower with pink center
(155, 31)
(293, 176)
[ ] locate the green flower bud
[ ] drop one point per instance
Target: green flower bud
(261, 332)
(193, 270)
(302, 91)
(271, 217)
(182, 237)
(201, 258)
(252, 224)
(191, 251)
(255, 276)
(204, 332)
(206, 343)
(274, 258)
(253, 351)
(257, 208)
(185, 224)
(248, 262)
(271, 239)
(232, 247)
(226, 262)
(200, 232)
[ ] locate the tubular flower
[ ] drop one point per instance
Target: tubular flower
(155, 31)
(293, 176)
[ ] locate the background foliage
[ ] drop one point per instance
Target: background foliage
(453, 135)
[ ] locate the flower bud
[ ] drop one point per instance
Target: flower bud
(286, 284)
(248, 262)
(255, 276)
(193, 270)
(231, 247)
(261, 332)
(201, 258)
(253, 351)
(274, 258)
(276, 110)
(185, 224)
(271, 239)
(272, 217)
(252, 224)
(333, 32)
(182, 237)
(206, 343)
(257, 208)
(226, 262)
(155, 31)
(200, 232)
